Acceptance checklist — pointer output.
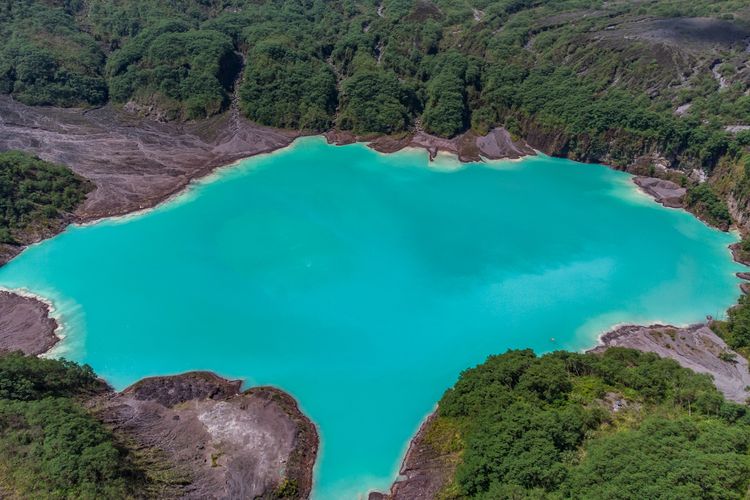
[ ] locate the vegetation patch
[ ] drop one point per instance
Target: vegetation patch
(176, 68)
(50, 446)
(706, 203)
(736, 329)
(623, 424)
(35, 195)
(590, 80)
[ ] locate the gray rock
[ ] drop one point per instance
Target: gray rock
(226, 443)
(663, 191)
(695, 347)
(25, 325)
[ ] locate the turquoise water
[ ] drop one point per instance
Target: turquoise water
(364, 283)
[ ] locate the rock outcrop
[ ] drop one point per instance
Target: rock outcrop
(695, 347)
(424, 472)
(663, 191)
(222, 442)
(25, 325)
(497, 144)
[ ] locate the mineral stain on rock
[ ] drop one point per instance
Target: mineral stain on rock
(224, 442)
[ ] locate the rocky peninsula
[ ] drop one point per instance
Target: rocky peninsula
(26, 325)
(223, 442)
(695, 347)
(198, 435)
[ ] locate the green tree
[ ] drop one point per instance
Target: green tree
(373, 101)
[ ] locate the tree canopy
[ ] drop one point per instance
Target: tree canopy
(619, 425)
(563, 68)
(35, 194)
(50, 446)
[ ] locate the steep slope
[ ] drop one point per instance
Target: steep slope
(621, 424)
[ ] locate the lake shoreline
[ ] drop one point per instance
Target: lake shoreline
(139, 179)
(198, 423)
(663, 191)
(431, 148)
(27, 323)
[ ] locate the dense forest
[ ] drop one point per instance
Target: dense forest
(619, 425)
(609, 80)
(657, 83)
(35, 194)
(50, 446)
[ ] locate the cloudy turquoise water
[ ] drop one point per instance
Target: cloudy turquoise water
(364, 283)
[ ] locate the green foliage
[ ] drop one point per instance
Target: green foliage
(373, 101)
(26, 378)
(53, 448)
(179, 69)
(287, 489)
(736, 330)
(680, 458)
(446, 112)
(534, 427)
(704, 201)
(380, 67)
(45, 58)
(286, 88)
(50, 447)
(34, 193)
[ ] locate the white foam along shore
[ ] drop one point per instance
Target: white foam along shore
(53, 312)
(188, 192)
(448, 155)
(603, 334)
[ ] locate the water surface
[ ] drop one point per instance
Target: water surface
(363, 283)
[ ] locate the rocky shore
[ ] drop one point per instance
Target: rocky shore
(137, 162)
(468, 147)
(695, 347)
(663, 191)
(25, 325)
(424, 471)
(223, 442)
(134, 162)
(212, 439)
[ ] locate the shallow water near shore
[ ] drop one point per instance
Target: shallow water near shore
(363, 283)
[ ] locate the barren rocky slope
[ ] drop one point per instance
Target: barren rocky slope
(469, 146)
(424, 471)
(695, 347)
(25, 325)
(225, 443)
(134, 162)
